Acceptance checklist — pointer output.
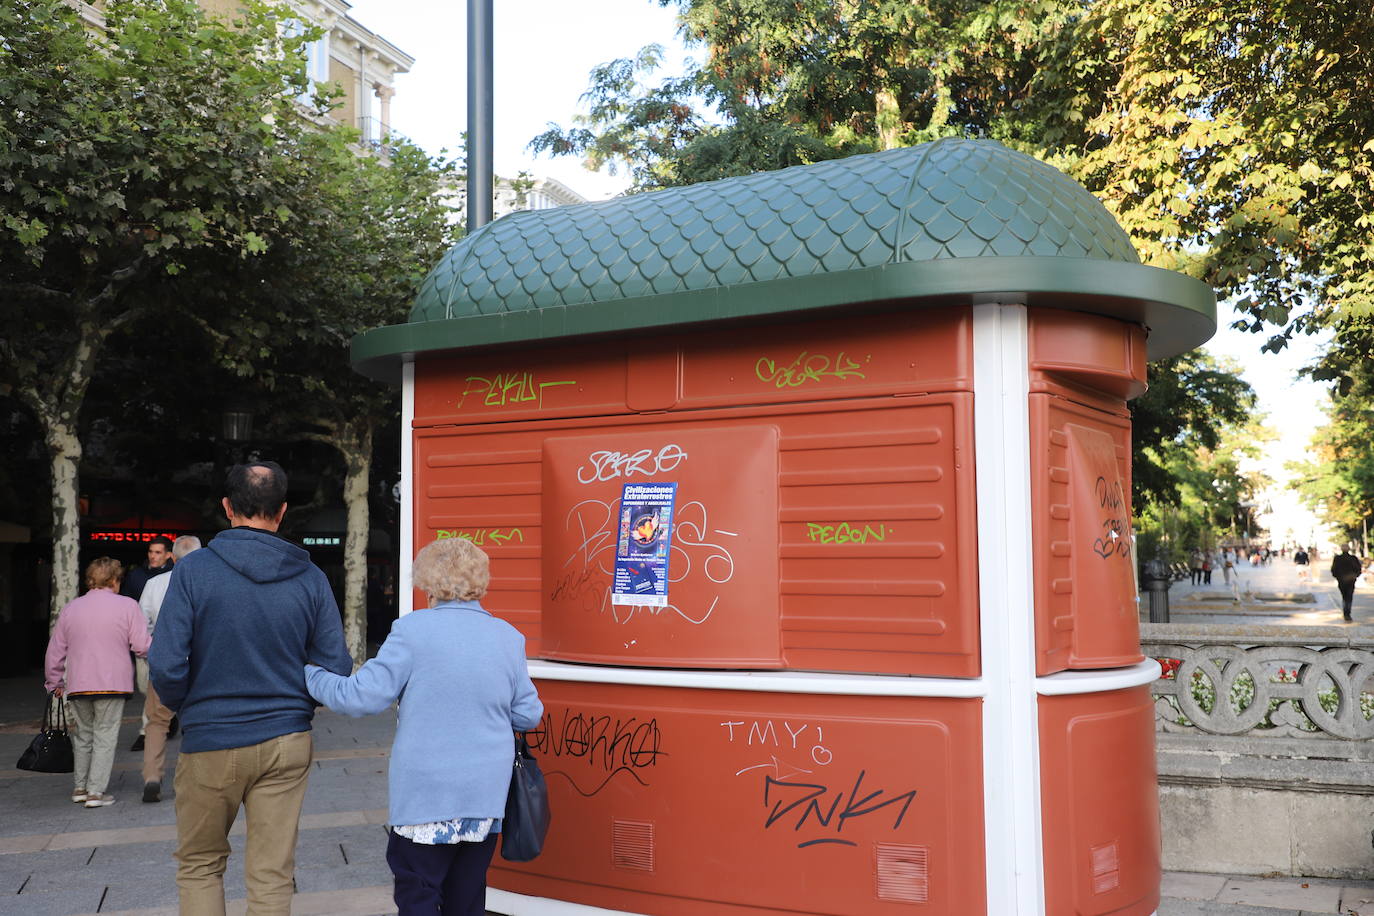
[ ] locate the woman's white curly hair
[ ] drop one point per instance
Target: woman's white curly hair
(452, 569)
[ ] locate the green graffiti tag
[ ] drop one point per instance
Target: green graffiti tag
(484, 536)
(845, 533)
(506, 388)
(807, 367)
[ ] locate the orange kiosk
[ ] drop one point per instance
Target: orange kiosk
(810, 492)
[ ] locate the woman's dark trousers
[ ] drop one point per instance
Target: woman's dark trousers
(448, 880)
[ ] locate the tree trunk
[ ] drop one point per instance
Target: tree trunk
(64, 454)
(888, 118)
(355, 443)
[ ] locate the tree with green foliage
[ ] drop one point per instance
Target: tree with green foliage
(1189, 432)
(357, 253)
(122, 153)
(1339, 480)
(1234, 140)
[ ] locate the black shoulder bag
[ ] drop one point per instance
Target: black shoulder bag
(51, 749)
(527, 807)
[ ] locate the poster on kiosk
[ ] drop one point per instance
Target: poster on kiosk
(643, 545)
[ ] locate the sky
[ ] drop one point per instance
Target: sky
(544, 51)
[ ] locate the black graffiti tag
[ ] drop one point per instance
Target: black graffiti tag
(1113, 540)
(608, 745)
(811, 801)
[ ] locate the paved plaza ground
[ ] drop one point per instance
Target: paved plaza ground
(1272, 594)
(58, 859)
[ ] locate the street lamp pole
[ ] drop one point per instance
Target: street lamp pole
(481, 175)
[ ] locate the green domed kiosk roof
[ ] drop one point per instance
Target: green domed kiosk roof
(948, 222)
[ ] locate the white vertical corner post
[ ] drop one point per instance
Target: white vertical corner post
(404, 590)
(1011, 747)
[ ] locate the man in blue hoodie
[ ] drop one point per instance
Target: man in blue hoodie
(240, 620)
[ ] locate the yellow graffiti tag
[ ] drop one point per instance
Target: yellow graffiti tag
(845, 533)
(484, 536)
(807, 367)
(507, 388)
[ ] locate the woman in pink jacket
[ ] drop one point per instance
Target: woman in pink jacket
(88, 659)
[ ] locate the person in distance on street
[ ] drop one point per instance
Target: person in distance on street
(1346, 568)
(157, 719)
(88, 659)
(159, 563)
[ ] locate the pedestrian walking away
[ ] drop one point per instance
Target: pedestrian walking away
(1346, 568)
(135, 581)
(157, 719)
(240, 620)
(1300, 560)
(463, 684)
(88, 660)
(1195, 563)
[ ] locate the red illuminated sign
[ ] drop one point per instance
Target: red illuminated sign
(131, 537)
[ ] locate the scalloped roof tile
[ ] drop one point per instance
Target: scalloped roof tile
(900, 227)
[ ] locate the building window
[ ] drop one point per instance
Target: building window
(316, 52)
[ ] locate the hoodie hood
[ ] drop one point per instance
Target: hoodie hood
(260, 555)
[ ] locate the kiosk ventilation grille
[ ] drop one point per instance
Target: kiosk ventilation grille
(632, 845)
(1106, 868)
(903, 872)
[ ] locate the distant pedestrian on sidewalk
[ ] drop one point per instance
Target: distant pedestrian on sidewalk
(1301, 561)
(135, 581)
(1195, 565)
(240, 620)
(1207, 563)
(463, 685)
(88, 659)
(1346, 567)
(157, 719)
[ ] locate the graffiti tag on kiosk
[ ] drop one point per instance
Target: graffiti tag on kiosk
(807, 367)
(483, 536)
(1114, 540)
(506, 388)
(845, 533)
(608, 745)
(764, 732)
(587, 570)
(602, 466)
(815, 805)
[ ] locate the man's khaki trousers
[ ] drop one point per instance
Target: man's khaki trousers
(268, 779)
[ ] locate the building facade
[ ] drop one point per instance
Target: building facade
(363, 64)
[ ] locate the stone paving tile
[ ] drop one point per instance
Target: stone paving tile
(1292, 893)
(1191, 885)
(1170, 907)
(1358, 899)
(58, 903)
(17, 869)
(369, 874)
(142, 895)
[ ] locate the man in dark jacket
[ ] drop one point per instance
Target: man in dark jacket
(1346, 568)
(240, 620)
(159, 563)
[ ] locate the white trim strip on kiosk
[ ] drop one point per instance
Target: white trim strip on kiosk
(512, 904)
(1011, 757)
(404, 591)
(764, 681)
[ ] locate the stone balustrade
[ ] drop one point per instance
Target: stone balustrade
(1264, 762)
(1264, 681)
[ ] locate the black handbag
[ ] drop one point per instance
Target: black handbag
(51, 749)
(527, 807)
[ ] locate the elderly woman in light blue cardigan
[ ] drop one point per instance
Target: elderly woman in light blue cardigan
(463, 686)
